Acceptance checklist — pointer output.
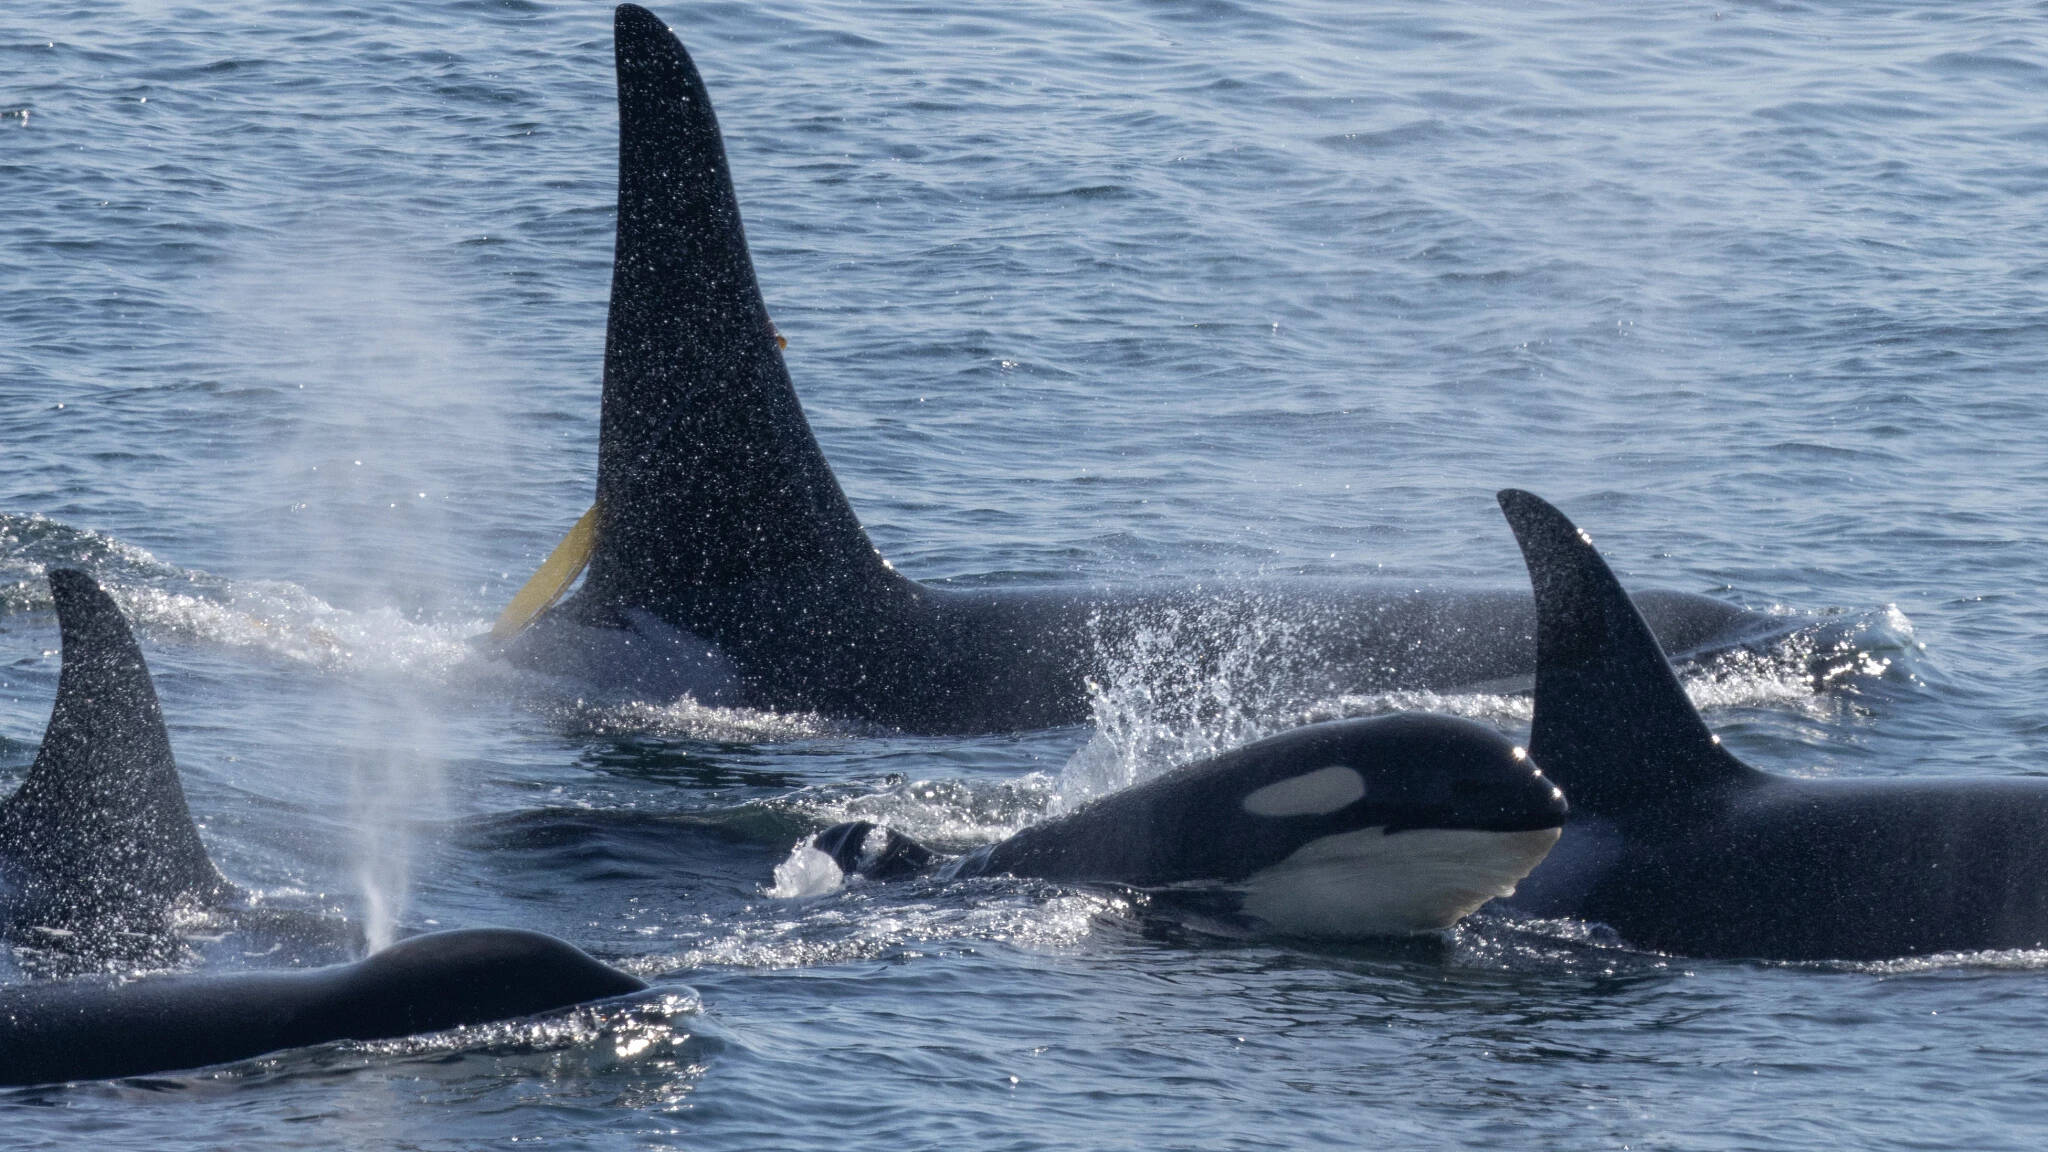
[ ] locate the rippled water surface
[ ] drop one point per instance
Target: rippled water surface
(301, 314)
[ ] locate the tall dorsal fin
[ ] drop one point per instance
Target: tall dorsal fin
(708, 475)
(1613, 725)
(100, 826)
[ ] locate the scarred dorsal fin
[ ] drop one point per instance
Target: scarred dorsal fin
(100, 827)
(1613, 725)
(708, 475)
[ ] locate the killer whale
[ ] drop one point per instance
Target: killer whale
(99, 856)
(101, 865)
(96, 1028)
(97, 847)
(1681, 847)
(1385, 826)
(725, 562)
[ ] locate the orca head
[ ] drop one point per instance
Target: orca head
(1405, 772)
(97, 847)
(860, 848)
(466, 976)
(1391, 825)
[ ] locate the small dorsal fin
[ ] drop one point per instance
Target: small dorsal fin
(1613, 725)
(708, 474)
(100, 827)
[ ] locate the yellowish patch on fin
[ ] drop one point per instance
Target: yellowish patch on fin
(551, 580)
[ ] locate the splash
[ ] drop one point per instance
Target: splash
(1156, 708)
(1990, 960)
(275, 617)
(1495, 940)
(688, 719)
(1156, 705)
(1800, 669)
(284, 620)
(807, 873)
(952, 815)
(625, 1031)
(650, 1033)
(31, 545)
(859, 924)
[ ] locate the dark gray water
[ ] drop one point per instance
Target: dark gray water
(301, 310)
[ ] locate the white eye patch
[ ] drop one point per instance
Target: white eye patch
(1309, 794)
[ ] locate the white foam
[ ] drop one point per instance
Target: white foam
(807, 872)
(686, 717)
(645, 1028)
(949, 814)
(853, 927)
(1153, 712)
(1994, 959)
(277, 617)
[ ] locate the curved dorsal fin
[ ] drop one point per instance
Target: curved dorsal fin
(708, 475)
(100, 826)
(1613, 725)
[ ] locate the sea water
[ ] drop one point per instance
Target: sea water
(301, 321)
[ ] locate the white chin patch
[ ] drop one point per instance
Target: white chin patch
(1309, 794)
(1367, 883)
(807, 872)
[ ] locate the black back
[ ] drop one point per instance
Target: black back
(1613, 725)
(58, 1030)
(1706, 856)
(464, 976)
(708, 477)
(99, 834)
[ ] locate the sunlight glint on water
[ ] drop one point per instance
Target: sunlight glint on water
(1073, 294)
